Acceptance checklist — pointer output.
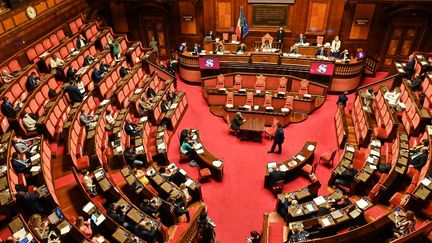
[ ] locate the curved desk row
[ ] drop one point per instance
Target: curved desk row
(346, 76)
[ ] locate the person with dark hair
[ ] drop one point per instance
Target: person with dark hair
(184, 134)
(32, 82)
(8, 109)
(150, 93)
(207, 232)
(124, 71)
(187, 149)
(149, 208)
(409, 67)
(347, 176)
(418, 155)
(117, 214)
(342, 99)
(170, 96)
(74, 93)
(278, 140)
(280, 35)
(254, 237)
(28, 200)
(104, 67)
(321, 52)
(131, 157)
(146, 231)
(88, 60)
(416, 83)
(164, 106)
(19, 165)
(97, 75)
(71, 74)
(81, 41)
(237, 121)
(131, 129)
(115, 50)
(342, 202)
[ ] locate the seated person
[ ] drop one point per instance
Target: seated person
(124, 71)
(84, 226)
(178, 210)
(186, 196)
(187, 148)
(416, 83)
(164, 106)
(347, 176)
(131, 129)
(293, 207)
(146, 231)
(164, 172)
(141, 176)
(74, 93)
(184, 134)
(81, 41)
(409, 67)
(29, 122)
(131, 157)
(56, 62)
(21, 145)
(19, 165)
(40, 230)
(80, 85)
(266, 46)
(145, 106)
(301, 40)
(87, 119)
(284, 204)
(324, 209)
(109, 119)
(345, 56)
(8, 109)
(298, 234)
(150, 93)
(368, 97)
(242, 48)
(418, 155)
(97, 75)
(254, 237)
(275, 176)
(104, 67)
(392, 97)
(404, 225)
(170, 96)
(220, 48)
(237, 121)
(71, 74)
(6, 77)
(88, 60)
(117, 213)
(149, 207)
(32, 82)
(29, 201)
(321, 52)
(342, 99)
(88, 183)
(294, 49)
(342, 202)
(196, 49)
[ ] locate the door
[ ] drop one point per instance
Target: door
(403, 38)
(153, 27)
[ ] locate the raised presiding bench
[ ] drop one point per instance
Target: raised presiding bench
(292, 166)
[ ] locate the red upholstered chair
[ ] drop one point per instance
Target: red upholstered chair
(230, 100)
(270, 131)
(396, 199)
(304, 85)
(289, 102)
(204, 174)
(277, 187)
(249, 101)
(427, 210)
(310, 169)
(282, 85)
(83, 162)
(268, 102)
(220, 84)
(260, 83)
(238, 80)
(374, 193)
(327, 158)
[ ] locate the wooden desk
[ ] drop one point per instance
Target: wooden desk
(253, 129)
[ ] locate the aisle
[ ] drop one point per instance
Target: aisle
(238, 202)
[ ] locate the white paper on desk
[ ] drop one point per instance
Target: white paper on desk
(35, 168)
(336, 214)
(200, 151)
(172, 166)
(271, 165)
(375, 153)
(197, 146)
(139, 149)
(310, 147)
(29, 237)
(319, 200)
(88, 207)
(188, 182)
(194, 137)
(173, 106)
(258, 91)
(100, 239)
(104, 102)
(35, 157)
(137, 91)
(370, 159)
(309, 207)
(161, 146)
(20, 233)
(376, 143)
(217, 163)
(426, 182)
(183, 172)
(283, 168)
(151, 172)
(362, 203)
(3, 168)
(350, 149)
(65, 229)
(100, 219)
(161, 134)
(299, 211)
(119, 149)
(143, 119)
(372, 166)
(300, 157)
(326, 221)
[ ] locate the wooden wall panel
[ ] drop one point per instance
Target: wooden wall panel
(20, 17)
(362, 12)
(118, 13)
(41, 7)
(224, 15)
(317, 21)
(187, 27)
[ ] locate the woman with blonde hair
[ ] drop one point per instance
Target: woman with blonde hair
(404, 225)
(40, 230)
(84, 226)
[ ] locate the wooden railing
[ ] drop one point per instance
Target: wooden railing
(353, 68)
(265, 229)
(389, 82)
(190, 234)
(371, 64)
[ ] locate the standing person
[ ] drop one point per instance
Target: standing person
(237, 121)
(280, 35)
(335, 47)
(409, 67)
(278, 139)
(154, 45)
(342, 99)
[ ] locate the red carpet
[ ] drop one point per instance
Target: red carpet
(378, 76)
(237, 203)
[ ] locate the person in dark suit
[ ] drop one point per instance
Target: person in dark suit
(418, 159)
(71, 74)
(32, 82)
(321, 52)
(237, 121)
(164, 106)
(149, 208)
(97, 75)
(301, 39)
(170, 96)
(299, 234)
(130, 129)
(88, 60)
(345, 55)
(124, 71)
(409, 67)
(280, 35)
(342, 99)
(284, 204)
(254, 237)
(278, 140)
(131, 157)
(324, 209)
(179, 211)
(8, 109)
(150, 93)
(19, 165)
(416, 83)
(146, 231)
(104, 67)
(81, 41)
(28, 200)
(117, 214)
(196, 48)
(275, 176)
(347, 176)
(74, 93)
(342, 202)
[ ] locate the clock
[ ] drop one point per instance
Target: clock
(31, 12)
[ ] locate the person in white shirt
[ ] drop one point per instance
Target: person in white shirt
(335, 47)
(109, 118)
(56, 65)
(56, 62)
(29, 122)
(393, 97)
(88, 183)
(6, 77)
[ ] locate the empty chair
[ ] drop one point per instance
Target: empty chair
(249, 101)
(260, 83)
(304, 85)
(238, 83)
(282, 86)
(327, 158)
(230, 100)
(220, 83)
(288, 104)
(268, 102)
